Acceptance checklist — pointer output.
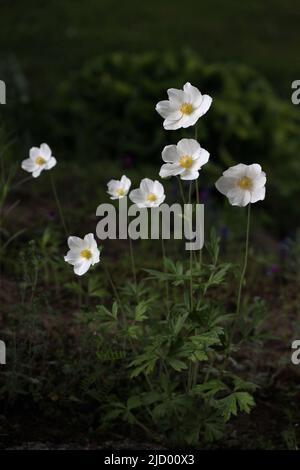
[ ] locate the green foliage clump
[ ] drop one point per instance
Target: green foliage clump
(108, 109)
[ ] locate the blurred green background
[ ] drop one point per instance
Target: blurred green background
(52, 39)
(85, 77)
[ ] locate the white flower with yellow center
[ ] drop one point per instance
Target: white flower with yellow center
(118, 188)
(40, 158)
(243, 184)
(149, 194)
(83, 253)
(184, 159)
(184, 107)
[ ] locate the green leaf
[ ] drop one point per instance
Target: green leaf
(177, 364)
(209, 389)
(134, 402)
(229, 405)
(140, 311)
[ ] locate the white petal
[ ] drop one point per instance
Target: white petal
(225, 184)
(160, 200)
(45, 151)
(204, 156)
(28, 165)
(260, 180)
(36, 173)
(253, 170)
(126, 183)
(192, 94)
(158, 189)
(239, 197)
(146, 186)
(170, 169)
(75, 243)
(170, 125)
(72, 257)
(50, 163)
(204, 106)
(236, 171)
(167, 110)
(189, 175)
(34, 152)
(176, 96)
(137, 196)
(258, 194)
(95, 256)
(188, 147)
(90, 241)
(188, 120)
(82, 267)
(170, 154)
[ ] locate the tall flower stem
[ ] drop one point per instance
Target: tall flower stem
(242, 278)
(198, 195)
(112, 284)
(166, 282)
(238, 305)
(181, 189)
(132, 260)
(198, 202)
(58, 205)
(191, 255)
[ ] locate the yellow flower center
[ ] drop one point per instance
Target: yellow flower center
(86, 254)
(186, 108)
(245, 183)
(186, 161)
(121, 192)
(40, 161)
(151, 197)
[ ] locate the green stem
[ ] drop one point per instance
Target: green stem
(111, 282)
(132, 261)
(191, 255)
(238, 307)
(58, 205)
(198, 202)
(181, 189)
(164, 267)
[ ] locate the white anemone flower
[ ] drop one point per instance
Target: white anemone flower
(118, 188)
(243, 184)
(149, 194)
(40, 158)
(184, 159)
(83, 253)
(184, 107)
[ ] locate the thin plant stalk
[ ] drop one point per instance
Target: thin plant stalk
(198, 202)
(58, 205)
(181, 189)
(112, 284)
(245, 264)
(191, 256)
(166, 282)
(242, 278)
(132, 260)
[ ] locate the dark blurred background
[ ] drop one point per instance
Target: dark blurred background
(85, 77)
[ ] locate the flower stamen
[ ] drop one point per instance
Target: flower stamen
(40, 161)
(186, 108)
(186, 161)
(245, 183)
(86, 254)
(151, 197)
(121, 192)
